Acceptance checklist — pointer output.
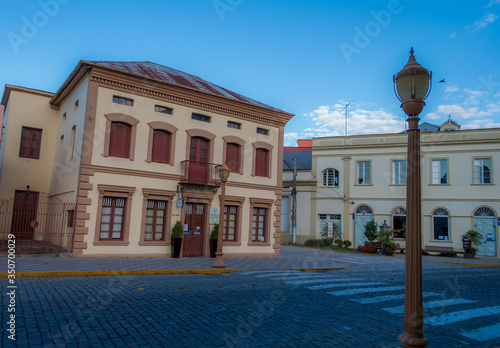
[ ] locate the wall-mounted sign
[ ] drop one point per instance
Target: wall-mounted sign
(179, 203)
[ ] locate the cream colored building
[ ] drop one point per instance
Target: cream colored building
(137, 146)
(360, 178)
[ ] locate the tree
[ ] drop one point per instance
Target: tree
(371, 230)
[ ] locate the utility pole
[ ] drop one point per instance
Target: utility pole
(345, 108)
(294, 200)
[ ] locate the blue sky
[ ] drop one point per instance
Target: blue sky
(309, 58)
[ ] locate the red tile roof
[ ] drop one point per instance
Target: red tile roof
(166, 74)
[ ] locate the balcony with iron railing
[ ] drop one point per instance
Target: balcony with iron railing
(200, 173)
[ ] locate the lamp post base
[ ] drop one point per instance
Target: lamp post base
(218, 263)
(412, 341)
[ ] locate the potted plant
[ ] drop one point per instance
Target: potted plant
(213, 240)
(475, 237)
(371, 230)
(387, 242)
(176, 239)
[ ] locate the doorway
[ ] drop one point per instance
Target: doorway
(24, 214)
(198, 158)
(194, 219)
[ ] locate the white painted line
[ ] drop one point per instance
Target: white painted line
(331, 279)
(283, 273)
(328, 286)
(454, 317)
(431, 304)
(484, 333)
(364, 290)
(305, 276)
(267, 272)
(386, 298)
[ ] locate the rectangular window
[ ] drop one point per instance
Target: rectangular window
(163, 109)
(71, 218)
(112, 217)
(155, 220)
(230, 222)
(259, 224)
(119, 143)
(123, 101)
(233, 157)
(199, 117)
(482, 171)
(262, 131)
(31, 139)
(399, 172)
(364, 173)
(439, 172)
(161, 147)
(261, 162)
(234, 125)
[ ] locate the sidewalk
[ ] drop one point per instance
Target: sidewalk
(298, 258)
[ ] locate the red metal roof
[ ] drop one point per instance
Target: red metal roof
(166, 74)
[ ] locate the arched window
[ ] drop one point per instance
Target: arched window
(440, 221)
(119, 144)
(484, 212)
(398, 221)
(364, 210)
(330, 177)
(161, 146)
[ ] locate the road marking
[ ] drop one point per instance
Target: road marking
(328, 286)
(485, 333)
(330, 279)
(306, 276)
(281, 273)
(431, 304)
(364, 290)
(454, 317)
(386, 298)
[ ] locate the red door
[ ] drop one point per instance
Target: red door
(194, 218)
(198, 158)
(24, 214)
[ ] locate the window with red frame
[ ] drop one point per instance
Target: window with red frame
(31, 139)
(230, 222)
(155, 220)
(261, 162)
(161, 146)
(233, 157)
(259, 224)
(112, 217)
(119, 142)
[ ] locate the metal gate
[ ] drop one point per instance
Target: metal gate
(39, 223)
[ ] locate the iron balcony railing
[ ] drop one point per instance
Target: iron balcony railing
(200, 173)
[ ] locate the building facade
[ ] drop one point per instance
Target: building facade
(137, 146)
(360, 178)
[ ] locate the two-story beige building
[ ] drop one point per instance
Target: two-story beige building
(137, 146)
(354, 179)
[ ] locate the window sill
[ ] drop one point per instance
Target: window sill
(112, 242)
(259, 244)
(154, 243)
(232, 243)
(441, 241)
(439, 184)
(476, 184)
(363, 184)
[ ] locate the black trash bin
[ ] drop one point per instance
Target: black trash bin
(467, 245)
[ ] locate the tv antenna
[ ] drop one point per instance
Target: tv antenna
(345, 108)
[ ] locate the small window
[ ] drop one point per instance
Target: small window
(262, 131)
(364, 173)
(234, 125)
(64, 117)
(119, 144)
(331, 177)
(163, 109)
(123, 101)
(482, 171)
(261, 162)
(230, 222)
(439, 172)
(441, 224)
(399, 172)
(259, 225)
(77, 103)
(161, 146)
(155, 220)
(71, 147)
(31, 139)
(112, 218)
(233, 157)
(199, 117)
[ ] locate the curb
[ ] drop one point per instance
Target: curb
(471, 264)
(150, 272)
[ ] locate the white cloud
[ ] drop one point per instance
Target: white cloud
(291, 139)
(451, 88)
(487, 19)
(491, 3)
(452, 35)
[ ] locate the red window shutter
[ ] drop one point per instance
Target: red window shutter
(119, 144)
(161, 146)
(233, 157)
(261, 162)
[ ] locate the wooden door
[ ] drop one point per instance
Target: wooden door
(198, 161)
(194, 218)
(24, 214)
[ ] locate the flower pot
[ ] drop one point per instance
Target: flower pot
(176, 244)
(213, 247)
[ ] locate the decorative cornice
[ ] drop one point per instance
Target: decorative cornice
(184, 101)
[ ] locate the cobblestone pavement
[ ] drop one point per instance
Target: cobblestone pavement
(359, 306)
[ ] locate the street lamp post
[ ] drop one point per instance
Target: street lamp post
(412, 86)
(223, 175)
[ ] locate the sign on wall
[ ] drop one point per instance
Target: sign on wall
(214, 215)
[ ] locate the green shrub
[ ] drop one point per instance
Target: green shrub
(313, 242)
(215, 232)
(177, 230)
(347, 243)
(339, 242)
(327, 241)
(371, 230)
